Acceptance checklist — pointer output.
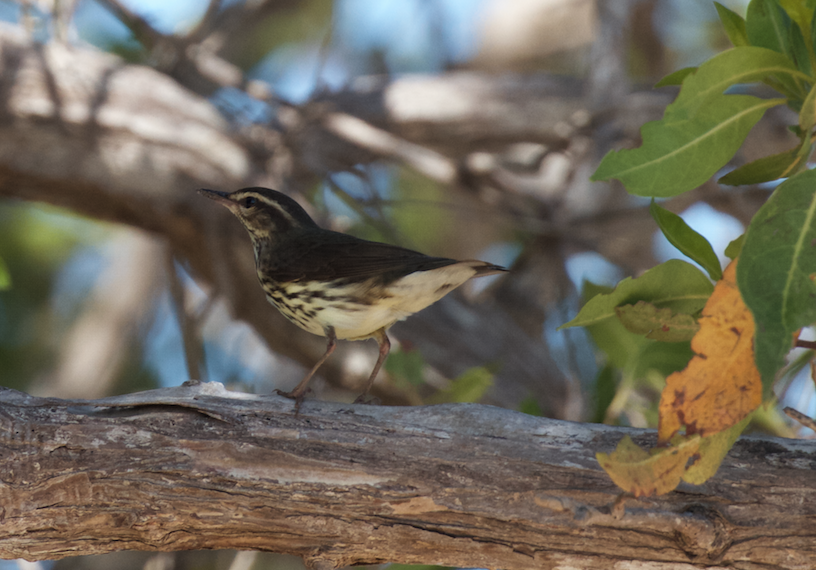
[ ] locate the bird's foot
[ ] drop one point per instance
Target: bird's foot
(298, 398)
(364, 398)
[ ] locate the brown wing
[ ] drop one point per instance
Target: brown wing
(325, 256)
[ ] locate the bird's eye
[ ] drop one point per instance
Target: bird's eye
(249, 201)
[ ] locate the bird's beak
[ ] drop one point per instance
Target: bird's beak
(220, 197)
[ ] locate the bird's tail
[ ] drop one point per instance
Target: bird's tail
(484, 268)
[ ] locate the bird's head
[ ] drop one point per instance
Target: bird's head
(265, 213)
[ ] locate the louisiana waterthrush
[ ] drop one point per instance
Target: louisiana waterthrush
(336, 285)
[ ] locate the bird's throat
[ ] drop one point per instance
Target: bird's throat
(264, 247)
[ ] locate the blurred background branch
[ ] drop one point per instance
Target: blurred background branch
(462, 128)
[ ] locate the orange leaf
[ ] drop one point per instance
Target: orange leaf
(721, 385)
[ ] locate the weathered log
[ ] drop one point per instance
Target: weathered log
(198, 467)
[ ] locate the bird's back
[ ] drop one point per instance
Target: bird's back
(322, 255)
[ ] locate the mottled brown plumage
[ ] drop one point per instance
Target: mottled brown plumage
(336, 285)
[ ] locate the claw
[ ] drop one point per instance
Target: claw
(298, 398)
(367, 400)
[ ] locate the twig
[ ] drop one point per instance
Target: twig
(322, 59)
(382, 226)
(141, 28)
(189, 338)
(801, 418)
(425, 161)
(206, 23)
(810, 344)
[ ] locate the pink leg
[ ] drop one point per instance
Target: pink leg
(300, 389)
(385, 348)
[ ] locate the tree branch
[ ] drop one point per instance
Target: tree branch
(460, 485)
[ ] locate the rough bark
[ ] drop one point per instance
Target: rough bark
(197, 467)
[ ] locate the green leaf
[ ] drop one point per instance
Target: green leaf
(776, 269)
(734, 248)
(620, 346)
(798, 50)
(676, 77)
(812, 25)
(688, 241)
(530, 406)
(406, 365)
(807, 114)
(771, 167)
(676, 284)
(767, 25)
(604, 392)
(702, 127)
(733, 24)
(642, 364)
(657, 324)
(726, 69)
(5, 276)
(469, 387)
(677, 156)
(798, 11)
(713, 450)
(609, 335)
(663, 358)
(590, 290)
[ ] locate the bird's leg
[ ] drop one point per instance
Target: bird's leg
(385, 348)
(300, 389)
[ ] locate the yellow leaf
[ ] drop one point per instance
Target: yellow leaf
(713, 450)
(641, 473)
(721, 385)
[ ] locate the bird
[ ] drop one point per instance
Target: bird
(336, 285)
